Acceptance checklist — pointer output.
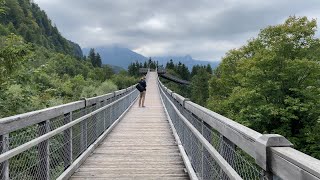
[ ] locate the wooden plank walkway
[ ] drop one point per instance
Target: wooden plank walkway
(141, 146)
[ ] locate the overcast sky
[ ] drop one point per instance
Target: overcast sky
(205, 29)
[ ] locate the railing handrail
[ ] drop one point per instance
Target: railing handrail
(232, 174)
(13, 152)
(169, 76)
(58, 135)
(246, 134)
(271, 152)
(16, 122)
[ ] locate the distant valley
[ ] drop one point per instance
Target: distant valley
(122, 57)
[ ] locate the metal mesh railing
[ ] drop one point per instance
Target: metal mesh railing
(48, 158)
(203, 163)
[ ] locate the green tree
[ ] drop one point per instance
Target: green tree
(200, 87)
(2, 7)
(107, 71)
(194, 70)
(122, 80)
(98, 60)
(133, 69)
(26, 19)
(271, 84)
(92, 56)
(14, 13)
(13, 52)
(185, 74)
(209, 69)
(170, 65)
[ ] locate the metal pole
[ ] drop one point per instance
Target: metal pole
(228, 155)
(104, 119)
(84, 137)
(4, 167)
(43, 152)
(202, 153)
(67, 137)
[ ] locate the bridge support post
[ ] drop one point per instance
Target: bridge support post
(83, 129)
(84, 136)
(262, 149)
(108, 117)
(43, 152)
(227, 151)
(202, 151)
(104, 119)
(266, 175)
(4, 167)
(67, 138)
(95, 121)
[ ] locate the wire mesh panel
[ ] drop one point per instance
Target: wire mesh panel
(26, 165)
(77, 143)
(202, 161)
(57, 155)
(191, 145)
(51, 156)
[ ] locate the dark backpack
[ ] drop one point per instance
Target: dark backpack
(139, 87)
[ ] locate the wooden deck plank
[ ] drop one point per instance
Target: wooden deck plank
(141, 146)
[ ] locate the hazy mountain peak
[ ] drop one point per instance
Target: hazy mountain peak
(188, 57)
(117, 55)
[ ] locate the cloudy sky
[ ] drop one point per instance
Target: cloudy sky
(205, 29)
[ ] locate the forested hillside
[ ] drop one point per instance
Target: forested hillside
(39, 68)
(26, 19)
(271, 84)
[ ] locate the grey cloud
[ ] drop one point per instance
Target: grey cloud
(175, 27)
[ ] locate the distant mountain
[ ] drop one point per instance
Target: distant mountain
(122, 57)
(117, 56)
(187, 60)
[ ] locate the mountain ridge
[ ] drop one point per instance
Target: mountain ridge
(120, 56)
(117, 56)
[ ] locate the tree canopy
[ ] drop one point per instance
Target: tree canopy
(2, 7)
(26, 19)
(272, 83)
(95, 58)
(39, 68)
(199, 87)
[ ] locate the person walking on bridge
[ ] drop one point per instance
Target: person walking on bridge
(143, 84)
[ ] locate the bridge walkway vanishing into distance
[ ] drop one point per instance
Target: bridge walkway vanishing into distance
(162, 73)
(142, 146)
(171, 138)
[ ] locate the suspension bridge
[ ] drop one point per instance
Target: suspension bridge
(110, 137)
